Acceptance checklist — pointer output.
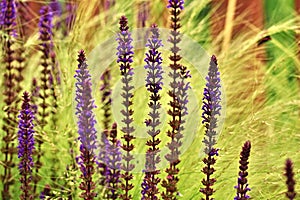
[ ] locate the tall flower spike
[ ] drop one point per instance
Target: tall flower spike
(290, 182)
(113, 162)
(211, 109)
(242, 186)
(125, 55)
(105, 90)
(46, 46)
(8, 26)
(154, 83)
(26, 147)
(176, 110)
(86, 127)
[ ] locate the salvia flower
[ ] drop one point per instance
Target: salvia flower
(290, 182)
(113, 162)
(211, 109)
(176, 4)
(8, 18)
(26, 147)
(211, 104)
(154, 84)
(242, 186)
(176, 107)
(125, 54)
(86, 127)
(8, 26)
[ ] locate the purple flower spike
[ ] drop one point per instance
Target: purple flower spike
(10, 93)
(290, 182)
(211, 109)
(125, 55)
(86, 127)
(26, 147)
(154, 84)
(211, 104)
(242, 186)
(8, 17)
(113, 161)
(176, 4)
(178, 103)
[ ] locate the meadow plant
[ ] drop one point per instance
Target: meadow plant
(242, 186)
(8, 23)
(290, 182)
(154, 84)
(176, 107)
(211, 109)
(125, 55)
(86, 127)
(113, 162)
(26, 147)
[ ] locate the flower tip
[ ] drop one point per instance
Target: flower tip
(214, 59)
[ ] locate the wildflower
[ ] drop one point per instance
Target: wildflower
(242, 186)
(8, 26)
(26, 147)
(290, 182)
(86, 127)
(211, 109)
(125, 55)
(154, 83)
(177, 104)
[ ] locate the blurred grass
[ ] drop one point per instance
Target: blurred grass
(262, 103)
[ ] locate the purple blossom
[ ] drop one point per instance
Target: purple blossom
(178, 102)
(86, 126)
(8, 17)
(154, 83)
(176, 4)
(26, 147)
(290, 182)
(211, 108)
(211, 104)
(125, 55)
(242, 186)
(113, 162)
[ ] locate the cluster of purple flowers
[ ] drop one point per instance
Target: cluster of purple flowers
(154, 84)
(86, 127)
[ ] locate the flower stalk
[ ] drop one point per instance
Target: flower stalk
(125, 55)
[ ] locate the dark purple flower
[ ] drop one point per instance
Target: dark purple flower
(211, 104)
(178, 109)
(8, 17)
(211, 109)
(113, 163)
(290, 182)
(10, 93)
(242, 186)
(86, 126)
(26, 147)
(125, 54)
(154, 84)
(176, 4)
(56, 8)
